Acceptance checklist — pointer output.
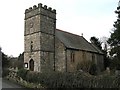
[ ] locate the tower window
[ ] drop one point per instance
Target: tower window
(31, 46)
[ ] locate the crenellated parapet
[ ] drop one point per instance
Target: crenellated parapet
(40, 6)
(40, 9)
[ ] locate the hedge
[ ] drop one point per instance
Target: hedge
(71, 80)
(5, 72)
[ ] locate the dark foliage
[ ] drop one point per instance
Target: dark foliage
(51, 79)
(106, 59)
(5, 65)
(20, 62)
(22, 73)
(17, 61)
(114, 41)
(93, 69)
(5, 61)
(21, 57)
(96, 42)
(5, 72)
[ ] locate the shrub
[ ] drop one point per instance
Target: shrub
(118, 81)
(93, 69)
(22, 73)
(84, 65)
(70, 79)
(5, 72)
(50, 79)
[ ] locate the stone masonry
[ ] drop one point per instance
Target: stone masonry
(39, 38)
(48, 48)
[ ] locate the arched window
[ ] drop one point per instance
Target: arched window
(72, 56)
(31, 65)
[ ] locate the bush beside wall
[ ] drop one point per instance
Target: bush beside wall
(5, 72)
(71, 80)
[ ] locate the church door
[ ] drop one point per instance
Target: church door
(31, 65)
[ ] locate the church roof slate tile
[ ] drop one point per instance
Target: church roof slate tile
(75, 41)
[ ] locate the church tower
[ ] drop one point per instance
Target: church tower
(39, 38)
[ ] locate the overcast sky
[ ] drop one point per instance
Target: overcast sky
(90, 17)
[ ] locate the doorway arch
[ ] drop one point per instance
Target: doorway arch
(31, 65)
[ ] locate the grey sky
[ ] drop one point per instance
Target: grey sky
(90, 17)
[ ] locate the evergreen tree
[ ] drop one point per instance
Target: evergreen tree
(21, 57)
(114, 41)
(5, 61)
(96, 42)
(20, 62)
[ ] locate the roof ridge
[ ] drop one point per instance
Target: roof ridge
(69, 32)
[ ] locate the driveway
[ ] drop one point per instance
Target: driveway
(7, 85)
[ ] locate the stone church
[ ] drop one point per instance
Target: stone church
(48, 48)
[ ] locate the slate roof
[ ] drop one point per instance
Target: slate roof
(75, 41)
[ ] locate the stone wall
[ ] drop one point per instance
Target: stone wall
(100, 62)
(47, 42)
(83, 57)
(64, 62)
(35, 38)
(32, 25)
(60, 60)
(39, 37)
(36, 57)
(47, 61)
(40, 9)
(47, 37)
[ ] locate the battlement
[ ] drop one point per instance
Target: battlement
(40, 6)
